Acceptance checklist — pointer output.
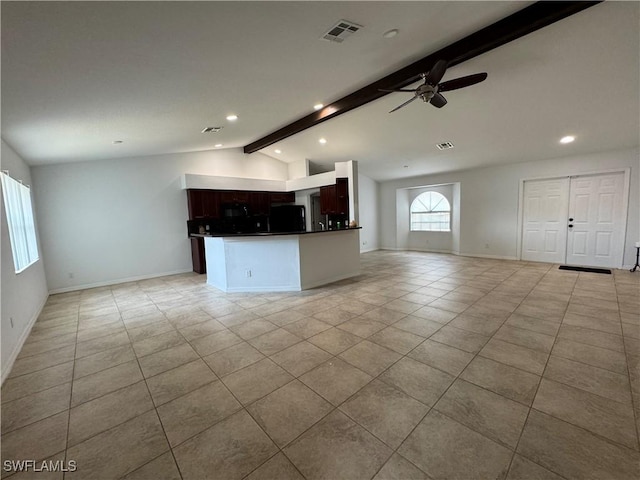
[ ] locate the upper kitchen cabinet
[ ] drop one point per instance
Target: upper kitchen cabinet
(328, 200)
(194, 203)
(234, 196)
(342, 196)
(334, 199)
(203, 203)
(282, 197)
(259, 203)
(211, 204)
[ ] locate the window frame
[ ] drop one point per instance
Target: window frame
(431, 212)
(18, 207)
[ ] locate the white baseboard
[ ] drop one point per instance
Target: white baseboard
(449, 252)
(493, 257)
(428, 250)
(8, 365)
(116, 281)
(367, 250)
(278, 288)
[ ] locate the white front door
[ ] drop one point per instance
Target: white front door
(596, 220)
(544, 230)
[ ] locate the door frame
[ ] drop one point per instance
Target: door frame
(625, 204)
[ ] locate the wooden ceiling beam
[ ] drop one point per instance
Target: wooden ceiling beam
(517, 25)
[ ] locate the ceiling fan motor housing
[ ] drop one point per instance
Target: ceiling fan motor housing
(426, 92)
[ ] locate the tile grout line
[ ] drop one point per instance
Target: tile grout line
(508, 467)
(431, 408)
(626, 357)
(155, 407)
(386, 326)
(66, 443)
(524, 425)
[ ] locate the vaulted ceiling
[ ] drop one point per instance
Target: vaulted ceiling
(77, 76)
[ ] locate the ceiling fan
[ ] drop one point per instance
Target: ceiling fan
(430, 90)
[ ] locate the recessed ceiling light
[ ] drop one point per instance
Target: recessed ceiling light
(323, 141)
(218, 145)
(390, 33)
(318, 106)
(567, 139)
(278, 150)
(117, 142)
(232, 118)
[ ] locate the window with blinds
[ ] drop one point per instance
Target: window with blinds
(22, 230)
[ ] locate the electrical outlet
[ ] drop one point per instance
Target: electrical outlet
(11, 321)
(248, 273)
(486, 245)
(364, 242)
(70, 274)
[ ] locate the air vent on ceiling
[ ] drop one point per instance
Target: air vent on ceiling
(444, 145)
(341, 30)
(211, 129)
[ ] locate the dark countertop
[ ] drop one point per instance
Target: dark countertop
(266, 234)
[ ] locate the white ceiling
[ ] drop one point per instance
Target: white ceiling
(78, 75)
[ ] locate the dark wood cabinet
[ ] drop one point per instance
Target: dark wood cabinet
(342, 196)
(234, 196)
(203, 203)
(208, 203)
(259, 203)
(211, 204)
(197, 255)
(194, 203)
(328, 200)
(282, 197)
(334, 199)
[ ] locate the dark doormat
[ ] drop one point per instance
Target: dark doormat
(586, 269)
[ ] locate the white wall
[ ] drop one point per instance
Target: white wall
(369, 207)
(489, 201)
(109, 221)
(24, 294)
(298, 169)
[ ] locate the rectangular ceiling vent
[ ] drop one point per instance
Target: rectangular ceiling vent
(211, 129)
(444, 145)
(341, 30)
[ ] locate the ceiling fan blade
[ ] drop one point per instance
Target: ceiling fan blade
(438, 101)
(404, 104)
(436, 73)
(397, 90)
(462, 82)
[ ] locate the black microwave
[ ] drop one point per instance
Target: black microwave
(233, 211)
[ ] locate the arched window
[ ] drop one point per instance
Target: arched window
(430, 212)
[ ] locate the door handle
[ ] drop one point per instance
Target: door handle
(570, 226)
(571, 219)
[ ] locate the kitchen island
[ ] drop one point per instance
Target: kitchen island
(281, 262)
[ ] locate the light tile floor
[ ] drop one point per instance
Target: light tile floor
(425, 366)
